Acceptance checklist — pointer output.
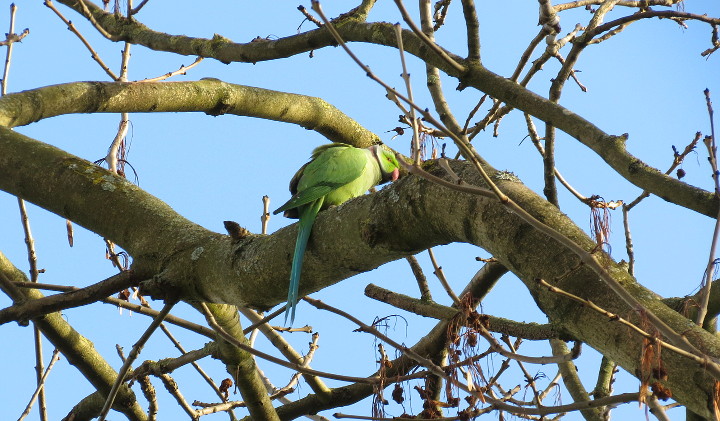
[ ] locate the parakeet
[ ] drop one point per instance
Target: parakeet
(336, 173)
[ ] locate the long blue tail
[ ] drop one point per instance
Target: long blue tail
(307, 219)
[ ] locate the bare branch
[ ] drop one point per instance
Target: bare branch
(34, 308)
(132, 357)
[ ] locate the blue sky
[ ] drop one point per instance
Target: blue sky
(647, 82)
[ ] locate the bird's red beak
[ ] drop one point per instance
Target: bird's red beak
(395, 174)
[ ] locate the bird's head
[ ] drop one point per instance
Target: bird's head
(389, 166)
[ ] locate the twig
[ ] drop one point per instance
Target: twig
(208, 409)
(12, 38)
(315, 383)
(199, 329)
(133, 356)
(309, 17)
(709, 142)
(569, 373)
(265, 218)
(628, 240)
(626, 3)
(195, 365)
(85, 42)
(148, 391)
(220, 331)
(525, 57)
(264, 320)
(408, 87)
(168, 365)
(430, 43)
(181, 71)
(529, 380)
(98, 27)
(82, 296)
(573, 73)
(657, 409)
(134, 11)
(670, 14)
(441, 277)
(425, 294)
(41, 384)
(112, 156)
(172, 388)
(555, 382)
(677, 160)
(535, 138)
(8, 54)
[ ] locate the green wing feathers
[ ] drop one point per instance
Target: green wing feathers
(332, 166)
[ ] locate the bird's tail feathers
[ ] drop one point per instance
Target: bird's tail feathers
(307, 219)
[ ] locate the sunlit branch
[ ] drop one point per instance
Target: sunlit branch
(172, 388)
(181, 71)
(425, 294)
(569, 373)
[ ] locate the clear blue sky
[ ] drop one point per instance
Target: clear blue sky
(647, 82)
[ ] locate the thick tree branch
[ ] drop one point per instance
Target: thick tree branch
(609, 148)
(347, 240)
(210, 96)
(213, 97)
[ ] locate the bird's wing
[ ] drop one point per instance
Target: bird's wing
(332, 168)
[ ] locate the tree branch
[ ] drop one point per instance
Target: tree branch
(347, 242)
(83, 296)
(77, 349)
(353, 29)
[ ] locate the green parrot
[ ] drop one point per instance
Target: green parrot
(336, 173)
